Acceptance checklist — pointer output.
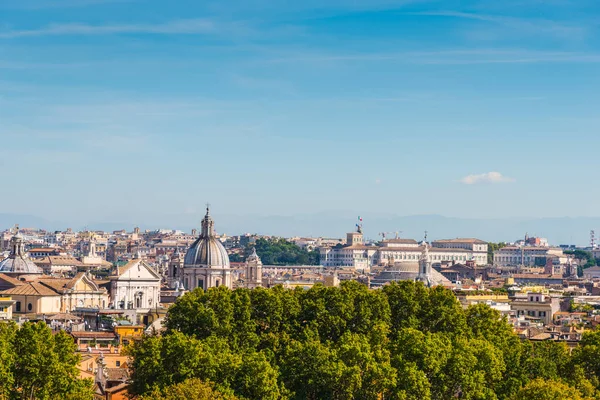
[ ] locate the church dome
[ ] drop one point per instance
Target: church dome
(207, 251)
(18, 262)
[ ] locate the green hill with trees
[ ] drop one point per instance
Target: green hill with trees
(404, 341)
(282, 252)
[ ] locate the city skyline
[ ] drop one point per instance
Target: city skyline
(122, 111)
(559, 231)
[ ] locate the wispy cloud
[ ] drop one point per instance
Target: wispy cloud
(530, 26)
(445, 57)
(46, 4)
(488, 177)
(181, 26)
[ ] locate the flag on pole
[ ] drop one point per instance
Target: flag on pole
(360, 219)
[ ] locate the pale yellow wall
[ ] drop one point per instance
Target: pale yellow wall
(39, 304)
(72, 300)
(48, 305)
(110, 360)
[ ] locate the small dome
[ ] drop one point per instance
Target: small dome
(207, 251)
(18, 262)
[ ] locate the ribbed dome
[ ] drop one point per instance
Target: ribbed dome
(18, 262)
(207, 251)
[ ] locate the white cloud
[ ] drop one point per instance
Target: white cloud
(183, 26)
(443, 57)
(488, 177)
(519, 25)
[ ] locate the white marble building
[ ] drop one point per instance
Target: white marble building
(136, 285)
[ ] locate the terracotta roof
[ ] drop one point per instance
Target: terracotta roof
(117, 374)
(420, 249)
(64, 317)
(55, 283)
(59, 260)
(31, 289)
(60, 284)
(43, 249)
(118, 388)
(11, 280)
(404, 241)
(97, 335)
(359, 247)
(461, 240)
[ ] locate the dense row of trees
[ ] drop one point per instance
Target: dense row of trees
(282, 252)
(405, 342)
(36, 364)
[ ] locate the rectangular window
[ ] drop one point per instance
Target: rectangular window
(201, 283)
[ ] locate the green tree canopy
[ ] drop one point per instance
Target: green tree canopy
(404, 341)
(281, 252)
(190, 389)
(540, 389)
(36, 364)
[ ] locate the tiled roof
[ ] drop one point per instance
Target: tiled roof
(461, 240)
(59, 260)
(118, 388)
(31, 289)
(117, 374)
(420, 249)
(403, 241)
(60, 284)
(91, 335)
(11, 280)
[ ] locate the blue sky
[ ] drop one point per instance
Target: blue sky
(136, 110)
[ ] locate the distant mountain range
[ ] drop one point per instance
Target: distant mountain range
(333, 224)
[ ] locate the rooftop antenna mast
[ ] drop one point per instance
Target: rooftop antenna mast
(593, 239)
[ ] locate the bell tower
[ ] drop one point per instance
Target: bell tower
(253, 270)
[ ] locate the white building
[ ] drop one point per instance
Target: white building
(136, 285)
(356, 254)
(476, 250)
(527, 255)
